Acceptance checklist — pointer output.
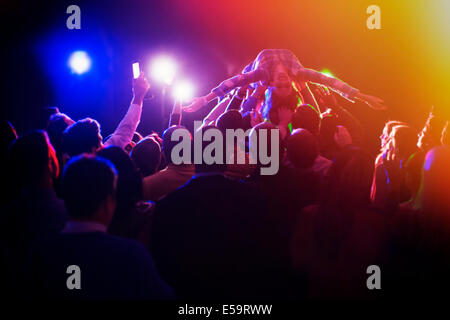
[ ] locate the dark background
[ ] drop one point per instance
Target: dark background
(406, 62)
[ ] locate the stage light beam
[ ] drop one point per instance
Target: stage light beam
(183, 91)
(163, 70)
(79, 62)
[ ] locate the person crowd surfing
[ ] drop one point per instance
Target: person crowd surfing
(123, 218)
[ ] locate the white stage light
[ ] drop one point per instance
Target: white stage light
(79, 62)
(183, 91)
(163, 70)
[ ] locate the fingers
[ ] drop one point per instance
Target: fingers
(141, 79)
(371, 99)
(342, 137)
(377, 100)
(376, 106)
(195, 105)
(373, 102)
(188, 109)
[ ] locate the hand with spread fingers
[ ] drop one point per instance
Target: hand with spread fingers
(372, 101)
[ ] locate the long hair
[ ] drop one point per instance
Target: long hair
(274, 102)
(402, 143)
(430, 135)
(387, 130)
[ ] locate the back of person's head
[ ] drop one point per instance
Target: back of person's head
(431, 133)
(154, 135)
(275, 102)
(389, 125)
(232, 119)
(33, 159)
(137, 137)
(402, 143)
(307, 117)
(57, 124)
(302, 148)
(89, 184)
(44, 116)
(169, 143)
(387, 130)
(218, 163)
(255, 137)
(146, 154)
(349, 179)
(82, 137)
(129, 183)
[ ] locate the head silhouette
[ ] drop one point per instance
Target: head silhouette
(169, 141)
(33, 159)
(385, 135)
(129, 182)
(307, 117)
(146, 154)
(402, 143)
(89, 187)
(430, 135)
(82, 137)
(302, 148)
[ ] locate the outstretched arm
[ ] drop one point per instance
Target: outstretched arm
(252, 101)
(340, 87)
(126, 128)
(371, 101)
(175, 116)
(327, 99)
(308, 97)
(226, 86)
(236, 101)
(216, 112)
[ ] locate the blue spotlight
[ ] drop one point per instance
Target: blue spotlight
(79, 62)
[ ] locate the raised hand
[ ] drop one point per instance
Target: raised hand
(140, 88)
(197, 104)
(242, 92)
(373, 102)
(177, 106)
(342, 137)
(325, 97)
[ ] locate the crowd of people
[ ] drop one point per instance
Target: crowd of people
(139, 225)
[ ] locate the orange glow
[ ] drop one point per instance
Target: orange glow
(406, 63)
